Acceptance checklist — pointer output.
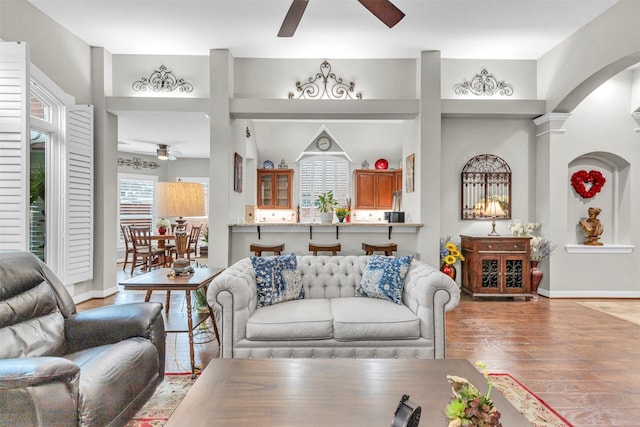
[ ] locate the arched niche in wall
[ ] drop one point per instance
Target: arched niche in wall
(485, 178)
(614, 199)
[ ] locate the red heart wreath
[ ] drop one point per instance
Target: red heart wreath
(582, 177)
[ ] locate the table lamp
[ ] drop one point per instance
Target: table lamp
(180, 199)
(494, 209)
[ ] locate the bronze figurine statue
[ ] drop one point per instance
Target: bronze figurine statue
(592, 227)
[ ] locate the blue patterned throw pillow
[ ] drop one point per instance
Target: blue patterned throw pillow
(277, 279)
(383, 277)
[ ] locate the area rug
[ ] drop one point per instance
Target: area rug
(164, 401)
(625, 310)
(175, 386)
(531, 406)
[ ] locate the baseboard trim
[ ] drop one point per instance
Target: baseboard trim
(96, 294)
(588, 294)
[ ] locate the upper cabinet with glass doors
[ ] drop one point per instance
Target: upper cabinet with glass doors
(274, 188)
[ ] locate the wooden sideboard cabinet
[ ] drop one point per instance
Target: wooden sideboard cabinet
(274, 188)
(374, 188)
(496, 266)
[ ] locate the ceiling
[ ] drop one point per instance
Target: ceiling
(496, 29)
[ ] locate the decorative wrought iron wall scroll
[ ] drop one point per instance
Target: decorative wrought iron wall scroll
(162, 80)
(325, 85)
(483, 84)
(137, 163)
(485, 177)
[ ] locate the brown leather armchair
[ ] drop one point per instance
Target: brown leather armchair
(63, 368)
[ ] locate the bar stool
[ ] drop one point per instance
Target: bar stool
(325, 248)
(258, 249)
(387, 249)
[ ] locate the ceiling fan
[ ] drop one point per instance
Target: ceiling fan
(162, 151)
(165, 153)
(384, 10)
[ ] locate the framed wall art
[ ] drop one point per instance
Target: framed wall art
(237, 173)
(409, 173)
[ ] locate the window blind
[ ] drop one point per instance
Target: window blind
(318, 175)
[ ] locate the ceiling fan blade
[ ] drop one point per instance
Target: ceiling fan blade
(384, 10)
(291, 21)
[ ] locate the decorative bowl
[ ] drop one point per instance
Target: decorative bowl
(382, 164)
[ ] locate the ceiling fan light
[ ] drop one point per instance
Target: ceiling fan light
(163, 153)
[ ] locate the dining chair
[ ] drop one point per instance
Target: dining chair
(128, 246)
(144, 254)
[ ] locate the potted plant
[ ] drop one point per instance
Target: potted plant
(204, 249)
(325, 204)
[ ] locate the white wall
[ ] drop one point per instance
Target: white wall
(463, 139)
(275, 78)
(521, 75)
(61, 55)
(130, 68)
(601, 124)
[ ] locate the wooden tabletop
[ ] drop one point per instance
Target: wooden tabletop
(326, 392)
(158, 280)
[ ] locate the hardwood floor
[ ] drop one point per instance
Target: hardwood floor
(582, 362)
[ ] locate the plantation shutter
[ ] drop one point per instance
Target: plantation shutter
(136, 200)
(79, 194)
(14, 146)
(318, 175)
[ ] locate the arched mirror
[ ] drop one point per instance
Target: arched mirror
(485, 178)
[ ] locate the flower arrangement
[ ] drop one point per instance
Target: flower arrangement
(341, 213)
(524, 230)
(163, 225)
(582, 177)
(540, 248)
(469, 407)
(449, 252)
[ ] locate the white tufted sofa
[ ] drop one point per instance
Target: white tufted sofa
(331, 321)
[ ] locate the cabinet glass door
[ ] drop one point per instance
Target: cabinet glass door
(490, 274)
(266, 190)
(282, 191)
(514, 274)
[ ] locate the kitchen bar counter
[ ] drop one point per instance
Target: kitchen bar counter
(297, 236)
(259, 227)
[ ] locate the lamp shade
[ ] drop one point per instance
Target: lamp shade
(179, 199)
(494, 209)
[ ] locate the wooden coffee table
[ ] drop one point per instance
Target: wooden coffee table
(157, 280)
(326, 392)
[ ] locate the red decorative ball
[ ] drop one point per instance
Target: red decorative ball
(382, 164)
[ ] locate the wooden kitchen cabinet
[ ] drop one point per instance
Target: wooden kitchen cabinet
(397, 177)
(496, 266)
(274, 188)
(374, 188)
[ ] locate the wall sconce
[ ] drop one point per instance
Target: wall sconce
(494, 210)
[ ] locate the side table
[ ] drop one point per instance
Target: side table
(158, 280)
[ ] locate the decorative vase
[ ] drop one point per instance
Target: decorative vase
(449, 270)
(536, 278)
(326, 217)
(162, 231)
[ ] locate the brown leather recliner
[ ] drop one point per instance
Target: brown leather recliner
(62, 368)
